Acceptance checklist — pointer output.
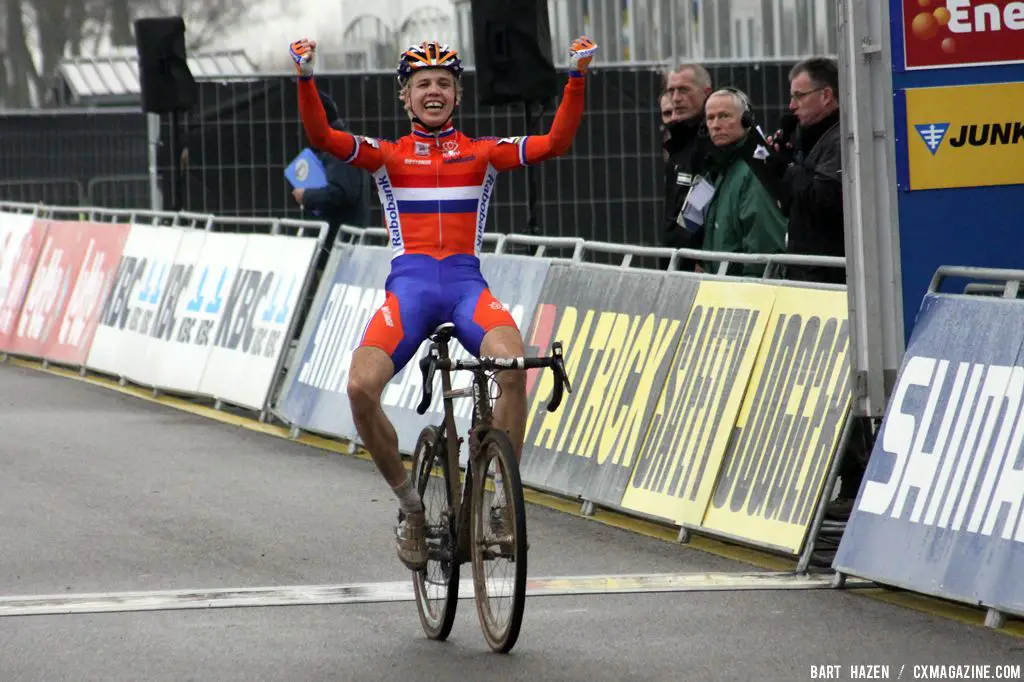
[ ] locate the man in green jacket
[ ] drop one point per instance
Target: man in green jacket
(743, 217)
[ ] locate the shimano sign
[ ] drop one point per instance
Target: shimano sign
(940, 507)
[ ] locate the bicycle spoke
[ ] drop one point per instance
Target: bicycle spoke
(498, 540)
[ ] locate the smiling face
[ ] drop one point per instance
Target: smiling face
(431, 96)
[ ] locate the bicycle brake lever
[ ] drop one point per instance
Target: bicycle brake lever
(560, 361)
(561, 380)
(427, 367)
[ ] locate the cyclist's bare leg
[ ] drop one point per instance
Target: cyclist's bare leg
(510, 407)
(370, 372)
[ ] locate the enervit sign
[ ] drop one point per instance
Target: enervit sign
(955, 33)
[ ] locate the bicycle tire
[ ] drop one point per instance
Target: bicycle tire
(501, 637)
(437, 623)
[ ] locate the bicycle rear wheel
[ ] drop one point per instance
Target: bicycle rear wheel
(498, 543)
(437, 584)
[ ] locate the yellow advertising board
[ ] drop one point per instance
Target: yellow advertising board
(679, 458)
(789, 425)
(965, 135)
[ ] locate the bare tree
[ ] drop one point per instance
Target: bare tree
(204, 19)
(37, 34)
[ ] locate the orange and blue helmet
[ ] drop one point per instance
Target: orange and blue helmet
(428, 55)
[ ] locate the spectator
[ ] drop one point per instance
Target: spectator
(665, 106)
(344, 200)
(686, 144)
(812, 175)
(813, 199)
(742, 217)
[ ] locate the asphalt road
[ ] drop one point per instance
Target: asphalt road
(106, 493)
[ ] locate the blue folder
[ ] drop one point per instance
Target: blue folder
(305, 171)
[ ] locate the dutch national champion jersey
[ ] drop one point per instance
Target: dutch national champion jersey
(435, 189)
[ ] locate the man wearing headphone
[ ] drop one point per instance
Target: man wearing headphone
(743, 216)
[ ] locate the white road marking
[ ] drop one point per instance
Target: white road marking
(364, 593)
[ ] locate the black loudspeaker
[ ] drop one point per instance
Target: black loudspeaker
(512, 49)
(166, 82)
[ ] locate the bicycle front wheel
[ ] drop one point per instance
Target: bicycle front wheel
(437, 584)
(498, 541)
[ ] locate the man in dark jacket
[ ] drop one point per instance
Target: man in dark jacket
(813, 178)
(686, 145)
(345, 199)
(814, 203)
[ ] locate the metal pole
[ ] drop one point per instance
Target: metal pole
(153, 133)
(870, 215)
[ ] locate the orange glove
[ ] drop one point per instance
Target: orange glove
(303, 53)
(581, 51)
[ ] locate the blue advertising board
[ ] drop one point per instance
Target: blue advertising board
(940, 506)
(957, 74)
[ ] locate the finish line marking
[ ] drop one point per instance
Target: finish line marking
(365, 593)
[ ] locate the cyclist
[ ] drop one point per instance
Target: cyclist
(434, 185)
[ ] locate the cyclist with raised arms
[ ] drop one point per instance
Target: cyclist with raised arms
(434, 185)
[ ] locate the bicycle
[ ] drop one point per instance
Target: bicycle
(500, 533)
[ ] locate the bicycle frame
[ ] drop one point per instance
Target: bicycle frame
(439, 359)
(483, 415)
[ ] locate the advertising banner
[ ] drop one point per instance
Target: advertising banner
(960, 33)
(136, 304)
(193, 304)
(619, 336)
(940, 507)
(253, 330)
(21, 241)
(681, 453)
(957, 139)
(315, 393)
(789, 424)
(71, 276)
(966, 135)
(94, 279)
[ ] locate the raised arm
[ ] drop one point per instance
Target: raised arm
(511, 153)
(347, 147)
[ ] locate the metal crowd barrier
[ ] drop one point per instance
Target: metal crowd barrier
(566, 250)
(92, 217)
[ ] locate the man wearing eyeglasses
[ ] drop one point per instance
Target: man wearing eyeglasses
(812, 179)
(814, 185)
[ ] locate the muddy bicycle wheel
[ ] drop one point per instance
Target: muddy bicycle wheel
(437, 584)
(498, 542)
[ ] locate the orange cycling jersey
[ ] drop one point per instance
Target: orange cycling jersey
(435, 188)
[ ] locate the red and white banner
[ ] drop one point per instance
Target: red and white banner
(950, 33)
(51, 285)
(61, 307)
(21, 240)
(94, 277)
